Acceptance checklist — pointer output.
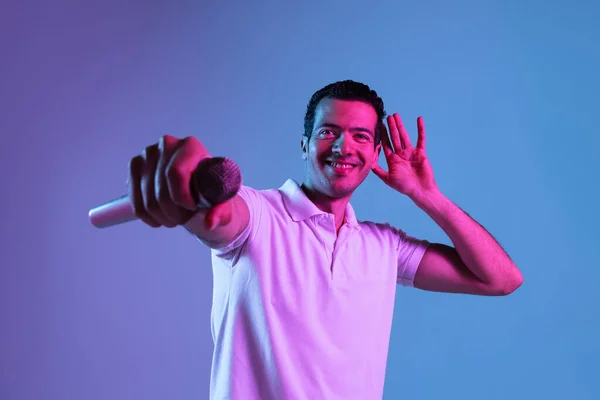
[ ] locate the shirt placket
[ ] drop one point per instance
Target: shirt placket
(336, 271)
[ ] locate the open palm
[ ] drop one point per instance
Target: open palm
(409, 170)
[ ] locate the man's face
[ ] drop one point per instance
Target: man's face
(341, 151)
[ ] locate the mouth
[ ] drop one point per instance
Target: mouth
(340, 167)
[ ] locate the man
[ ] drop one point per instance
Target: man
(303, 291)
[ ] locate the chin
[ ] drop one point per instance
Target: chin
(332, 185)
(341, 189)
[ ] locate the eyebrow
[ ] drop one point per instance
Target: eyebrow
(353, 129)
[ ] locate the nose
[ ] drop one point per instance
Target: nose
(341, 144)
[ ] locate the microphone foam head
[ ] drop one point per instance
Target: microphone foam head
(217, 179)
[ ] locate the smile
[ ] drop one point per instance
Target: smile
(340, 167)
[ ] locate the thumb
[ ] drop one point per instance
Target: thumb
(380, 172)
(218, 215)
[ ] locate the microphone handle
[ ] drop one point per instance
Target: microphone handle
(114, 212)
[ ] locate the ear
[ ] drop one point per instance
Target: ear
(376, 155)
(304, 145)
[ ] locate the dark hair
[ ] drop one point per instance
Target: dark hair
(345, 90)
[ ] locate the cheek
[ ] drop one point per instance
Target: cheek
(315, 161)
(368, 157)
(317, 153)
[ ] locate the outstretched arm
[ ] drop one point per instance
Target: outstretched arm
(160, 194)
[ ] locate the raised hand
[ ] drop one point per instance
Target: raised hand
(409, 171)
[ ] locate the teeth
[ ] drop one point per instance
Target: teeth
(333, 164)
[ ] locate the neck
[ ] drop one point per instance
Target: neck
(335, 206)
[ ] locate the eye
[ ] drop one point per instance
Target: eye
(363, 137)
(326, 132)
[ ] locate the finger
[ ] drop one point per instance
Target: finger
(136, 169)
(394, 135)
(151, 155)
(167, 146)
(180, 169)
(404, 138)
(219, 215)
(421, 129)
(385, 141)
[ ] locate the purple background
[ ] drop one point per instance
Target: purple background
(509, 93)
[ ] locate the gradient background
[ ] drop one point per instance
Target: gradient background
(510, 96)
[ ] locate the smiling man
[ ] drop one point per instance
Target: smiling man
(304, 291)
(341, 146)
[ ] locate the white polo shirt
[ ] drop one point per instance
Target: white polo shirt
(299, 313)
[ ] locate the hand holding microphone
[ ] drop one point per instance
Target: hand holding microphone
(172, 181)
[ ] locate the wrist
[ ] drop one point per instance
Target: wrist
(433, 202)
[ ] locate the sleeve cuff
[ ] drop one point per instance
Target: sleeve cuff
(407, 271)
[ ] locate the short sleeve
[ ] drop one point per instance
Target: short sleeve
(255, 202)
(410, 252)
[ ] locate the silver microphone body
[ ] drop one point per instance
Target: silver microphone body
(215, 180)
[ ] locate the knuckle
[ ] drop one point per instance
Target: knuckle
(137, 210)
(167, 206)
(162, 194)
(151, 205)
(167, 142)
(171, 214)
(141, 213)
(191, 141)
(140, 202)
(188, 140)
(156, 215)
(148, 221)
(176, 178)
(149, 199)
(179, 198)
(135, 164)
(150, 152)
(152, 223)
(174, 174)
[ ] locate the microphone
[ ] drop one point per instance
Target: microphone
(215, 180)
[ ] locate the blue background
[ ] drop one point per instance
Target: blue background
(509, 92)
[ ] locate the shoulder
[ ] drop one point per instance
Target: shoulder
(384, 231)
(380, 229)
(254, 194)
(259, 199)
(264, 205)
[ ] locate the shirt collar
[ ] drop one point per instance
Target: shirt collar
(299, 206)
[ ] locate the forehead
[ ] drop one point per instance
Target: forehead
(345, 112)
